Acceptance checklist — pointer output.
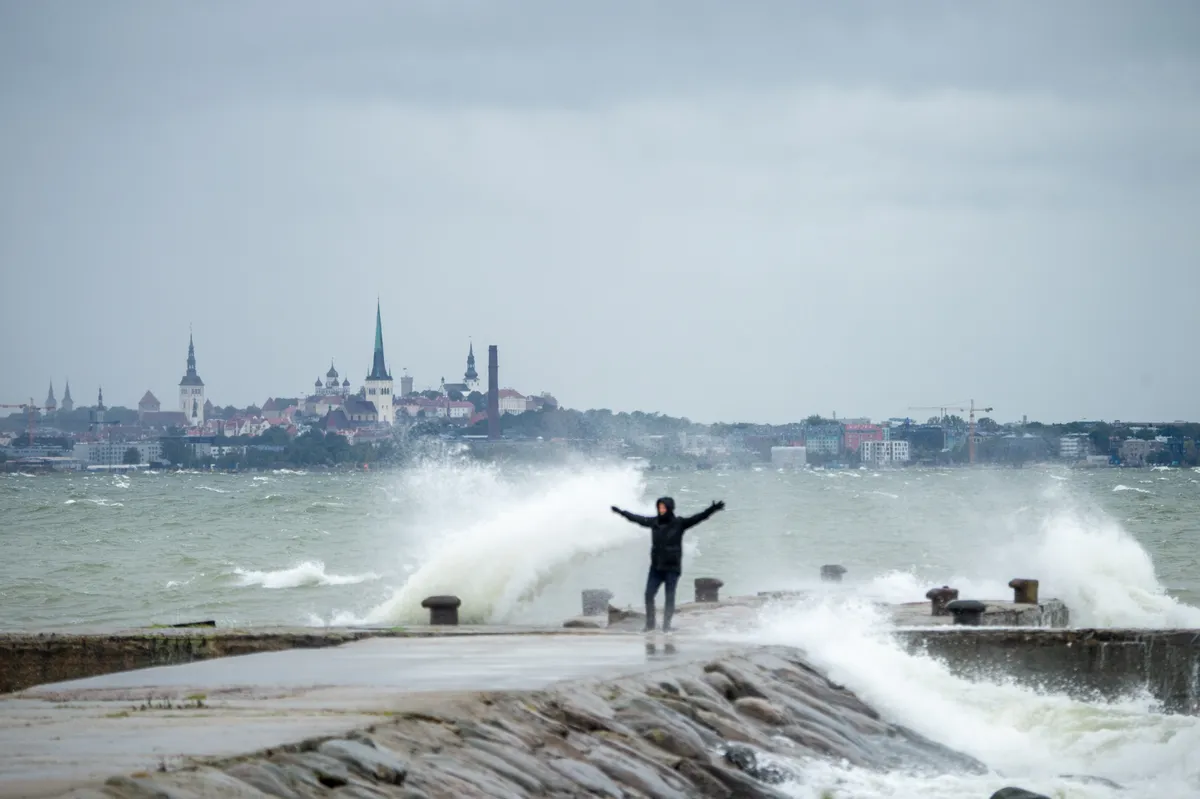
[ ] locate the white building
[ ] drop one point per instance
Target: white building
(882, 453)
(512, 401)
(191, 391)
(378, 386)
(112, 453)
(460, 409)
(1074, 447)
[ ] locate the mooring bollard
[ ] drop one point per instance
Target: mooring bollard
(442, 609)
(707, 589)
(939, 597)
(832, 573)
(1025, 592)
(967, 611)
(595, 601)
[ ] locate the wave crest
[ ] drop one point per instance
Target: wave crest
(310, 572)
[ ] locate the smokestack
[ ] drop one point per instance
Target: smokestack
(493, 394)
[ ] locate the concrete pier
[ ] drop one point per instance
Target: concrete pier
(149, 702)
(39, 658)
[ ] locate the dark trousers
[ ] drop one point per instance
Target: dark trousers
(653, 581)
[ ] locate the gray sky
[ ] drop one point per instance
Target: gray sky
(729, 211)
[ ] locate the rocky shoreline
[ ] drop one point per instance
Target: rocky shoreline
(724, 727)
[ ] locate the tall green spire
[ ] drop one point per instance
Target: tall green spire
(378, 364)
(378, 328)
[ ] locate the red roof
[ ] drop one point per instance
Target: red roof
(508, 392)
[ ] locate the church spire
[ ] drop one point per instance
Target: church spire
(50, 404)
(379, 369)
(471, 374)
(190, 378)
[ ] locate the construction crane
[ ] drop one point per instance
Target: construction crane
(972, 410)
(30, 417)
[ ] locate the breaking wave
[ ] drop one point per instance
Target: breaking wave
(1087, 560)
(1025, 737)
(498, 541)
(310, 572)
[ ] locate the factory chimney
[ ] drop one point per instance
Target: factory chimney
(493, 395)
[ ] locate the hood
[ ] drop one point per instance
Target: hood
(670, 503)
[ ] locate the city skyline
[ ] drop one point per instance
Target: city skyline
(853, 211)
(381, 370)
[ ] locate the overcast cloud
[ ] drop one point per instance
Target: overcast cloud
(729, 211)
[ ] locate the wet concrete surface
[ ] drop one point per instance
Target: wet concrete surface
(59, 735)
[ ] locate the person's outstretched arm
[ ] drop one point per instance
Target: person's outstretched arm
(692, 521)
(644, 521)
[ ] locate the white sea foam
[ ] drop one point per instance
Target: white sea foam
(1027, 738)
(214, 490)
(100, 501)
(310, 572)
(1123, 487)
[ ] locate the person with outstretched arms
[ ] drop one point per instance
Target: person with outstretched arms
(666, 552)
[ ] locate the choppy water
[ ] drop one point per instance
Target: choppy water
(105, 550)
(1121, 547)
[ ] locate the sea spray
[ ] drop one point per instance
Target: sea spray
(496, 542)
(1026, 737)
(1079, 554)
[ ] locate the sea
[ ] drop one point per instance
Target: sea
(518, 543)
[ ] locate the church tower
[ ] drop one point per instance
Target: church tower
(68, 404)
(471, 377)
(378, 386)
(332, 386)
(51, 404)
(191, 390)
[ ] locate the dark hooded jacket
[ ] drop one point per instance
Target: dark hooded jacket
(666, 533)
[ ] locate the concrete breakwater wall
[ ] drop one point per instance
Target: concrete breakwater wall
(1085, 662)
(708, 728)
(29, 659)
(35, 659)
